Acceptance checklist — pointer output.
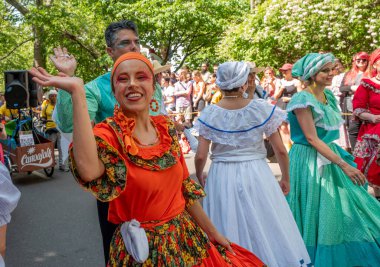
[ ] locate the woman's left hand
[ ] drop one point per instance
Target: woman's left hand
(285, 186)
(218, 238)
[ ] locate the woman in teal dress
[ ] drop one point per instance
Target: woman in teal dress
(338, 220)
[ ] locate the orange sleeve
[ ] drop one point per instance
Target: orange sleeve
(192, 191)
(114, 180)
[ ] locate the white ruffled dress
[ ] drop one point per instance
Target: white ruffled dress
(244, 199)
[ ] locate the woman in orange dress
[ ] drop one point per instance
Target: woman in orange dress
(134, 161)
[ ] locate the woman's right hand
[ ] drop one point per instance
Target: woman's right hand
(356, 176)
(61, 81)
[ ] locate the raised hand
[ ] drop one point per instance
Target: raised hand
(63, 61)
(69, 84)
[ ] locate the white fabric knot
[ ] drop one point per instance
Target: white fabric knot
(135, 240)
(232, 75)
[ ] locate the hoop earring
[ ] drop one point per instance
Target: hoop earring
(245, 95)
(157, 106)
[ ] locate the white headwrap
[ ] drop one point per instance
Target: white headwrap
(232, 75)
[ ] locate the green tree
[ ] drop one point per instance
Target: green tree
(180, 30)
(280, 31)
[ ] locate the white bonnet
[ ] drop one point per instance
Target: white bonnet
(232, 75)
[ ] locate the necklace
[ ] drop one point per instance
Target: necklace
(377, 78)
(324, 101)
(150, 144)
(230, 96)
(141, 144)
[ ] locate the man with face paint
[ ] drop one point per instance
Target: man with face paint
(121, 37)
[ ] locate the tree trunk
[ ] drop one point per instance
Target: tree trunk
(38, 31)
(39, 55)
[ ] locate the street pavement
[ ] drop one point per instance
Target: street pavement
(56, 224)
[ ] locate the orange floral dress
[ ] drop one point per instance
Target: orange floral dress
(152, 185)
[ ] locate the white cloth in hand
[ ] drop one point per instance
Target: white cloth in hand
(135, 240)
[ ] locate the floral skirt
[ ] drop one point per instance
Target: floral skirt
(180, 242)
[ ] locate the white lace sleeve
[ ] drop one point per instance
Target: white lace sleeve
(278, 116)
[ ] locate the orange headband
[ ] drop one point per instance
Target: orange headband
(128, 56)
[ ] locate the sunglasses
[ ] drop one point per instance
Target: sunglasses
(361, 60)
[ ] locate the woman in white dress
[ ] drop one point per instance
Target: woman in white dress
(244, 200)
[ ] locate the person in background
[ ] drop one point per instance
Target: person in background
(211, 90)
(168, 93)
(204, 72)
(51, 131)
(160, 106)
(339, 73)
(173, 77)
(351, 82)
(338, 219)
(269, 81)
(289, 86)
(8, 114)
(254, 90)
(182, 91)
(366, 105)
(215, 68)
(9, 197)
(199, 88)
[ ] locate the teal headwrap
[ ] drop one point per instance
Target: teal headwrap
(311, 64)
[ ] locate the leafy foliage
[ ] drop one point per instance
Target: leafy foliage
(282, 31)
(181, 30)
(187, 31)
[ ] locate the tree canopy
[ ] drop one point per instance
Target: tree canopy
(281, 31)
(187, 31)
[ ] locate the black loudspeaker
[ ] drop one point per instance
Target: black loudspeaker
(20, 90)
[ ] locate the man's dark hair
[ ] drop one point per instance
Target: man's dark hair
(115, 27)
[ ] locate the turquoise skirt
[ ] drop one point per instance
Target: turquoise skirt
(339, 221)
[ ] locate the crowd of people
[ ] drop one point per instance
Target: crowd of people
(129, 138)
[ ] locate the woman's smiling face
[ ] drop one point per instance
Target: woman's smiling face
(133, 83)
